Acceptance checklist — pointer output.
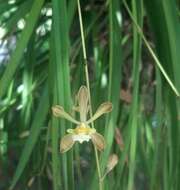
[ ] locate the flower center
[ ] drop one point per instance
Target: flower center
(83, 129)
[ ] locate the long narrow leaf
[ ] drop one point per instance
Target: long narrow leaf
(21, 45)
(39, 118)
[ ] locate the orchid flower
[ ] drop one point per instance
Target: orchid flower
(83, 132)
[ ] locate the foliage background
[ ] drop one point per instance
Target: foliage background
(41, 64)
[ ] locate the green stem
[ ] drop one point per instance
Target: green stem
(88, 87)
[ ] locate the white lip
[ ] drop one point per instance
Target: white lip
(81, 138)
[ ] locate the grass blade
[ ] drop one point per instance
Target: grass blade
(62, 94)
(115, 64)
(21, 45)
(169, 56)
(37, 123)
(137, 9)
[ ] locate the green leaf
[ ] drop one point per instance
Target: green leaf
(164, 17)
(20, 47)
(37, 123)
(61, 93)
(115, 66)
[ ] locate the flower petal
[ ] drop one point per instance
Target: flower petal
(66, 143)
(112, 162)
(58, 111)
(81, 138)
(83, 99)
(102, 109)
(98, 141)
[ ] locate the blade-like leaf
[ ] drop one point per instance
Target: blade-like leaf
(115, 65)
(21, 45)
(23, 9)
(62, 167)
(164, 14)
(39, 118)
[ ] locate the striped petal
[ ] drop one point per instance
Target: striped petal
(66, 143)
(83, 100)
(98, 141)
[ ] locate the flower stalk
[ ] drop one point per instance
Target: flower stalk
(88, 86)
(83, 132)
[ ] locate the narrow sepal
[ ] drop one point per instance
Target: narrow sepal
(102, 109)
(58, 111)
(83, 100)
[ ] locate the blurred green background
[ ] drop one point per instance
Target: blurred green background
(133, 61)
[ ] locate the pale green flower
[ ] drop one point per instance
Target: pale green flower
(82, 132)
